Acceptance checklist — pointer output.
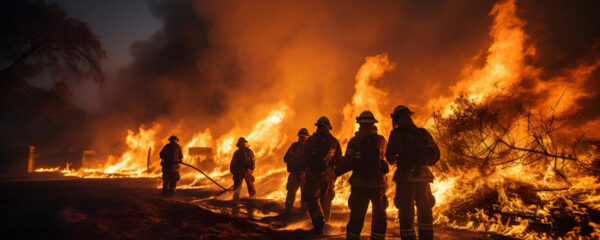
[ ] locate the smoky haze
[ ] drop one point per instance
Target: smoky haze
(219, 65)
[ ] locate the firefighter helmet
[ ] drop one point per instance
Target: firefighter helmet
(366, 117)
(174, 138)
(324, 121)
(400, 110)
(303, 132)
(242, 140)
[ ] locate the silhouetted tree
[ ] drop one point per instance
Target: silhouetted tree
(39, 41)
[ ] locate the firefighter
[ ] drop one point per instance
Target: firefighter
(320, 154)
(413, 150)
(365, 158)
(171, 156)
(295, 168)
(242, 165)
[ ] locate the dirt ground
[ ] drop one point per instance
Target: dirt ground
(133, 209)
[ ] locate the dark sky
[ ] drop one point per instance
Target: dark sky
(118, 23)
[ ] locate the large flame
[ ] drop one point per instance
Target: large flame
(201, 139)
(133, 159)
(367, 96)
(504, 66)
(264, 139)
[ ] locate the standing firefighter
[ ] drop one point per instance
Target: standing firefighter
(295, 168)
(413, 150)
(365, 158)
(171, 156)
(241, 167)
(321, 153)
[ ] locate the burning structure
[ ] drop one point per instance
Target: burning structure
(518, 128)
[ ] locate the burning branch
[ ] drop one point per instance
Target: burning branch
(518, 163)
(490, 134)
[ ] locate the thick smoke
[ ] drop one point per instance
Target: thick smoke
(218, 64)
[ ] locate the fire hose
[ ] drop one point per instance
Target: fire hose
(226, 189)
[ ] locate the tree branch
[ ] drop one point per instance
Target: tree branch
(537, 151)
(21, 58)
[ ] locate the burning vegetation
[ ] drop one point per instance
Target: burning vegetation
(519, 154)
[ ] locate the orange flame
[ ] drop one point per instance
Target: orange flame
(367, 96)
(134, 158)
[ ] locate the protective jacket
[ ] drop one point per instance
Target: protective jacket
(365, 158)
(396, 153)
(171, 155)
(242, 160)
(292, 158)
(320, 155)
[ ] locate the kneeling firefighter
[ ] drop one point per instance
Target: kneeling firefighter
(365, 158)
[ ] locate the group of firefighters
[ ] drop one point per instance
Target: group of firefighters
(315, 161)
